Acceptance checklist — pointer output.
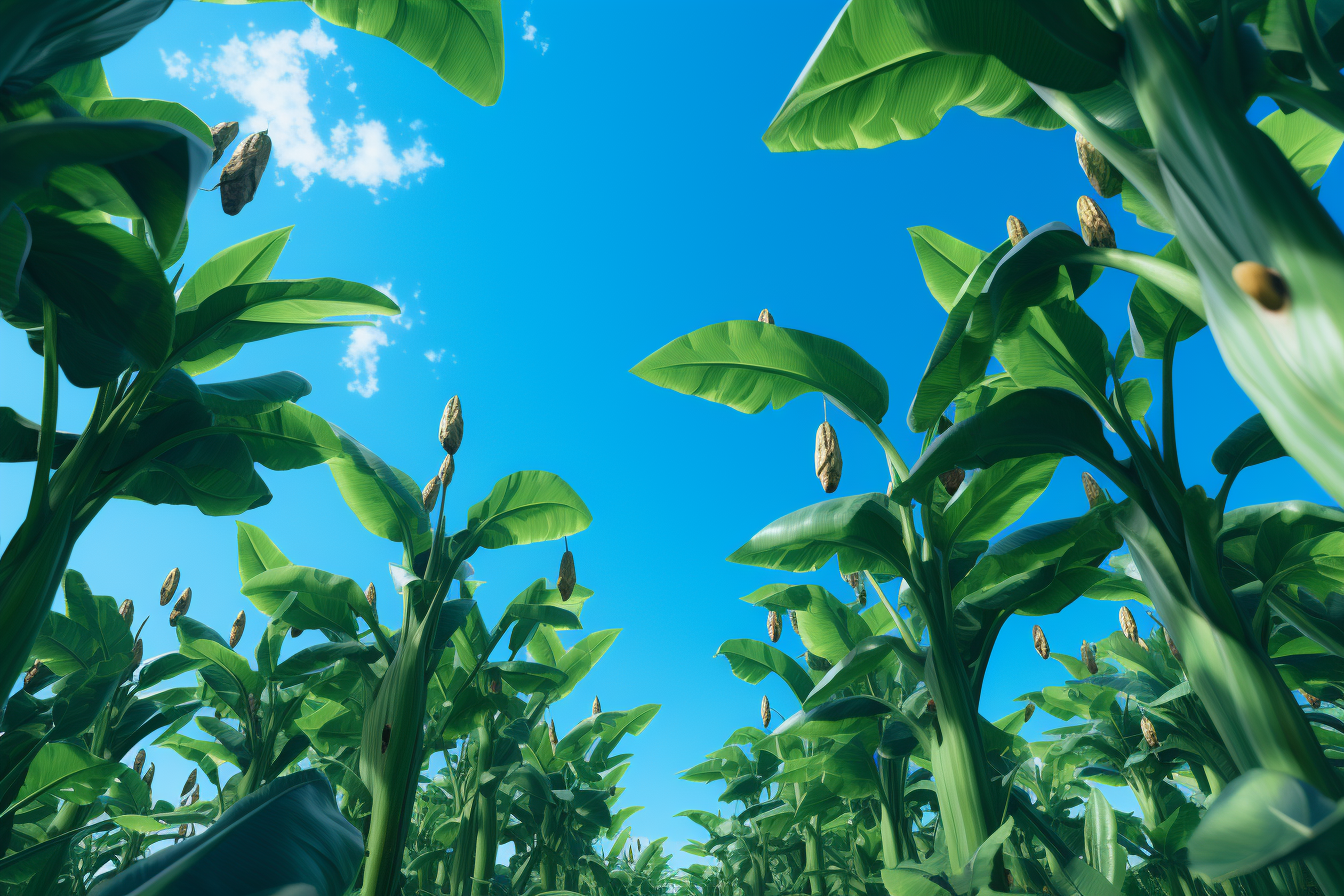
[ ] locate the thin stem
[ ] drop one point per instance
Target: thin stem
(1169, 456)
(902, 626)
(46, 436)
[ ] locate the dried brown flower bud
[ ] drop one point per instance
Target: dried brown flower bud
(1313, 701)
(139, 762)
(450, 426)
(1089, 658)
(1149, 733)
(765, 316)
(149, 776)
(1093, 491)
(1128, 625)
(1028, 712)
(180, 608)
(1263, 284)
(191, 782)
(127, 611)
(295, 632)
(773, 625)
(952, 479)
(597, 707)
(371, 595)
(236, 633)
(169, 588)
(1094, 223)
(1103, 176)
(931, 706)
(551, 732)
(765, 711)
(240, 178)
(1017, 231)
(31, 674)
(1171, 645)
(195, 795)
(137, 654)
(494, 685)
(567, 578)
(1038, 639)
(793, 621)
(223, 133)
(827, 459)
(446, 471)
(429, 495)
(181, 833)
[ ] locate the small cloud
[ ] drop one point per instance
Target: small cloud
(361, 356)
(175, 66)
(351, 86)
(434, 357)
(416, 125)
(530, 33)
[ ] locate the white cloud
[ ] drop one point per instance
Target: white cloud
(175, 66)
(352, 86)
(361, 356)
(434, 357)
(530, 33)
(401, 320)
(416, 125)
(269, 73)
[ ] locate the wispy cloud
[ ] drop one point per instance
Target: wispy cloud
(434, 357)
(269, 74)
(361, 356)
(530, 33)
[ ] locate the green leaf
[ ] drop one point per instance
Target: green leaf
(247, 262)
(213, 474)
(286, 438)
(320, 656)
(845, 715)
(749, 366)
(1056, 345)
(67, 771)
(256, 552)
(46, 39)
(783, 597)
(579, 660)
(290, 830)
(527, 507)
(18, 439)
(227, 673)
(386, 500)
(81, 84)
(529, 678)
(1309, 143)
(1153, 311)
(255, 395)
(873, 81)
(753, 660)
(1101, 840)
(862, 529)
(946, 262)
(992, 499)
(868, 656)
(1250, 443)
(150, 110)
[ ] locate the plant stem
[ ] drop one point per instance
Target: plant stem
(46, 437)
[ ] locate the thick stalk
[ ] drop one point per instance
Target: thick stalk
(486, 834)
(816, 876)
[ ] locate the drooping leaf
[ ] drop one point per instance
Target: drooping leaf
(862, 529)
(752, 661)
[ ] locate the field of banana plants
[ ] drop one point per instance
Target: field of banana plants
(413, 747)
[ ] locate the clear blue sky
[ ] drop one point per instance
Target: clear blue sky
(617, 197)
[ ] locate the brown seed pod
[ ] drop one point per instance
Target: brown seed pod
(793, 621)
(181, 833)
(765, 316)
(1313, 701)
(1128, 625)
(551, 733)
(371, 595)
(450, 426)
(137, 654)
(1017, 231)
(127, 611)
(180, 608)
(597, 707)
(567, 578)
(765, 711)
(236, 633)
(1263, 284)
(494, 685)
(827, 459)
(429, 495)
(191, 782)
(31, 675)
(1103, 176)
(1095, 225)
(149, 776)
(295, 632)
(223, 133)
(240, 178)
(1171, 645)
(773, 625)
(1149, 733)
(139, 762)
(1028, 712)
(446, 470)
(952, 479)
(169, 587)
(1038, 640)
(931, 706)
(1093, 491)
(1089, 658)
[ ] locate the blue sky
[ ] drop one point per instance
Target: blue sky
(615, 198)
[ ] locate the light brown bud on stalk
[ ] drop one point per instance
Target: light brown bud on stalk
(1028, 713)
(554, 740)
(137, 654)
(567, 578)
(191, 782)
(1089, 658)
(1038, 639)
(952, 479)
(127, 611)
(827, 459)
(149, 776)
(446, 470)
(1092, 490)
(495, 686)
(1312, 701)
(429, 495)
(1171, 645)
(31, 674)
(765, 316)
(236, 633)
(139, 762)
(240, 178)
(223, 134)
(169, 588)
(1149, 733)
(295, 632)
(371, 595)
(597, 707)
(1263, 284)
(1096, 227)
(1100, 173)
(773, 625)
(1128, 625)
(180, 608)
(1017, 231)
(793, 621)
(765, 711)
(450, 426)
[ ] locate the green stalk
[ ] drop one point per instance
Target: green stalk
(816, 876)
(486, 835)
